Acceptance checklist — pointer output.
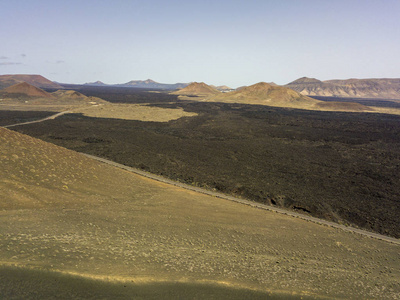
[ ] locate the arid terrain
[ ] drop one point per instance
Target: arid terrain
(165, 150)
(99, 231)
(92, 229)
(338, 166)
(263, 93)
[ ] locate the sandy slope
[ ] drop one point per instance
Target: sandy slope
(63, 212)
(134, 112)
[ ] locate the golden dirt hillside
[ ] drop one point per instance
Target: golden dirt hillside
(76, 98)
(69, 93)
(134, 112)
(197, 88)
(266, 94)
(272, 95)
(63, 213)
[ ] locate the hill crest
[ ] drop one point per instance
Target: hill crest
(69, 93)
(141, 82)
(151, 84)
(96, 83)
(222, 88)
(306, 80)
(197, 88)
(264, 93)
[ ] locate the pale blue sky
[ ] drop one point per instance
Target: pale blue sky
(219, 42)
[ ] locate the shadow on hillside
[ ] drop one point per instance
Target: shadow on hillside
(20, 283)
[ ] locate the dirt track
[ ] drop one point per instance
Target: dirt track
(52, 117)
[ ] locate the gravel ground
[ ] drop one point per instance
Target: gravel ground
(65, 213)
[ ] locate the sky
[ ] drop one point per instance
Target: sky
(220, 42)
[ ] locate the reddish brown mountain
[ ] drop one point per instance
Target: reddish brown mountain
(26, 89)
(35, 80)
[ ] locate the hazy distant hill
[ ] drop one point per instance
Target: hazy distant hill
(35, 80)
(222, 88)
(197, 88)
(151, 84)
(96, 83)
(360, 88)
(306, 81)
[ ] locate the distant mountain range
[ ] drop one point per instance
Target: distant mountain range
(356, 88)
(151, 84)
(380, 88)
(146, 84)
